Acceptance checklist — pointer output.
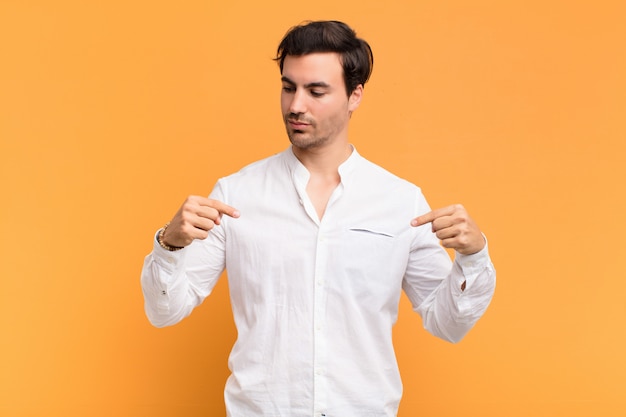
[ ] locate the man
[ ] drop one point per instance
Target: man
(318, 244)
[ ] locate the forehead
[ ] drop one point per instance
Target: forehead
(316, 67)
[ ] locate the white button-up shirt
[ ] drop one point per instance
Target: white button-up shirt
(314, 300)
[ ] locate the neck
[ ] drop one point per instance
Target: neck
(323, 165)
(324, 161)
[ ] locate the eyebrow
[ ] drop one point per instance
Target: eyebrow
(309, 85)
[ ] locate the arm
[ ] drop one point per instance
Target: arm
(449, 300)
(175, 282)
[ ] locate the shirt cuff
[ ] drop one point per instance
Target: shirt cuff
(164, 258)
(473, 264)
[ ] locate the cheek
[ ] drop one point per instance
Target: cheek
(336, 115)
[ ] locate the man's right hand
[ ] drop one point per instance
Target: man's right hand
(195, 218)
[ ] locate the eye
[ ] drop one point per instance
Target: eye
(315, 93)
(288, 89)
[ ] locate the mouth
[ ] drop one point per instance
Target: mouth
(296, 124)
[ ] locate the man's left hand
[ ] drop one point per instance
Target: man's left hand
(455, 228)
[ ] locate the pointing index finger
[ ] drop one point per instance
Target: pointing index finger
(430, 216)
(225, 209)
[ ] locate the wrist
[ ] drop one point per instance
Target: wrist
(162, 243)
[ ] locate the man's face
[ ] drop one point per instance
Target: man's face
(314, 103)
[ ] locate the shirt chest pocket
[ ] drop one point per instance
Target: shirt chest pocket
(368, 246)
(368, 258)
(370, 231)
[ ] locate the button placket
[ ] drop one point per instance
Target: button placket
(319, 324)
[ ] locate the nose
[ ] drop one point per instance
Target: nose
(297, 105)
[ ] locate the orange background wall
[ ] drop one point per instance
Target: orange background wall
(111, 113)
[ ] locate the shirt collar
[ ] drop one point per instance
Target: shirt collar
(301, 174)
(349, 165)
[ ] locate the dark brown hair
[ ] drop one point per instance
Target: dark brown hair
(330, 36)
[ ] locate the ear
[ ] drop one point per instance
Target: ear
(355, 98)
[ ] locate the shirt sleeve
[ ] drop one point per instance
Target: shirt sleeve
(174, 283)
(433, 284)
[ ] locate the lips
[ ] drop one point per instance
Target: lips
(297, 124)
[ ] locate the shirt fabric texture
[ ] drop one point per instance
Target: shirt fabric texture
(314, 300)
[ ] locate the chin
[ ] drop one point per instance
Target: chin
(298, 139)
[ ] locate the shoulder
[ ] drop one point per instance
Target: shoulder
(375, 175)
(257, 169)
(254, 178)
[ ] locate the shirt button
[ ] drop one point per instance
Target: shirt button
(163, 292)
